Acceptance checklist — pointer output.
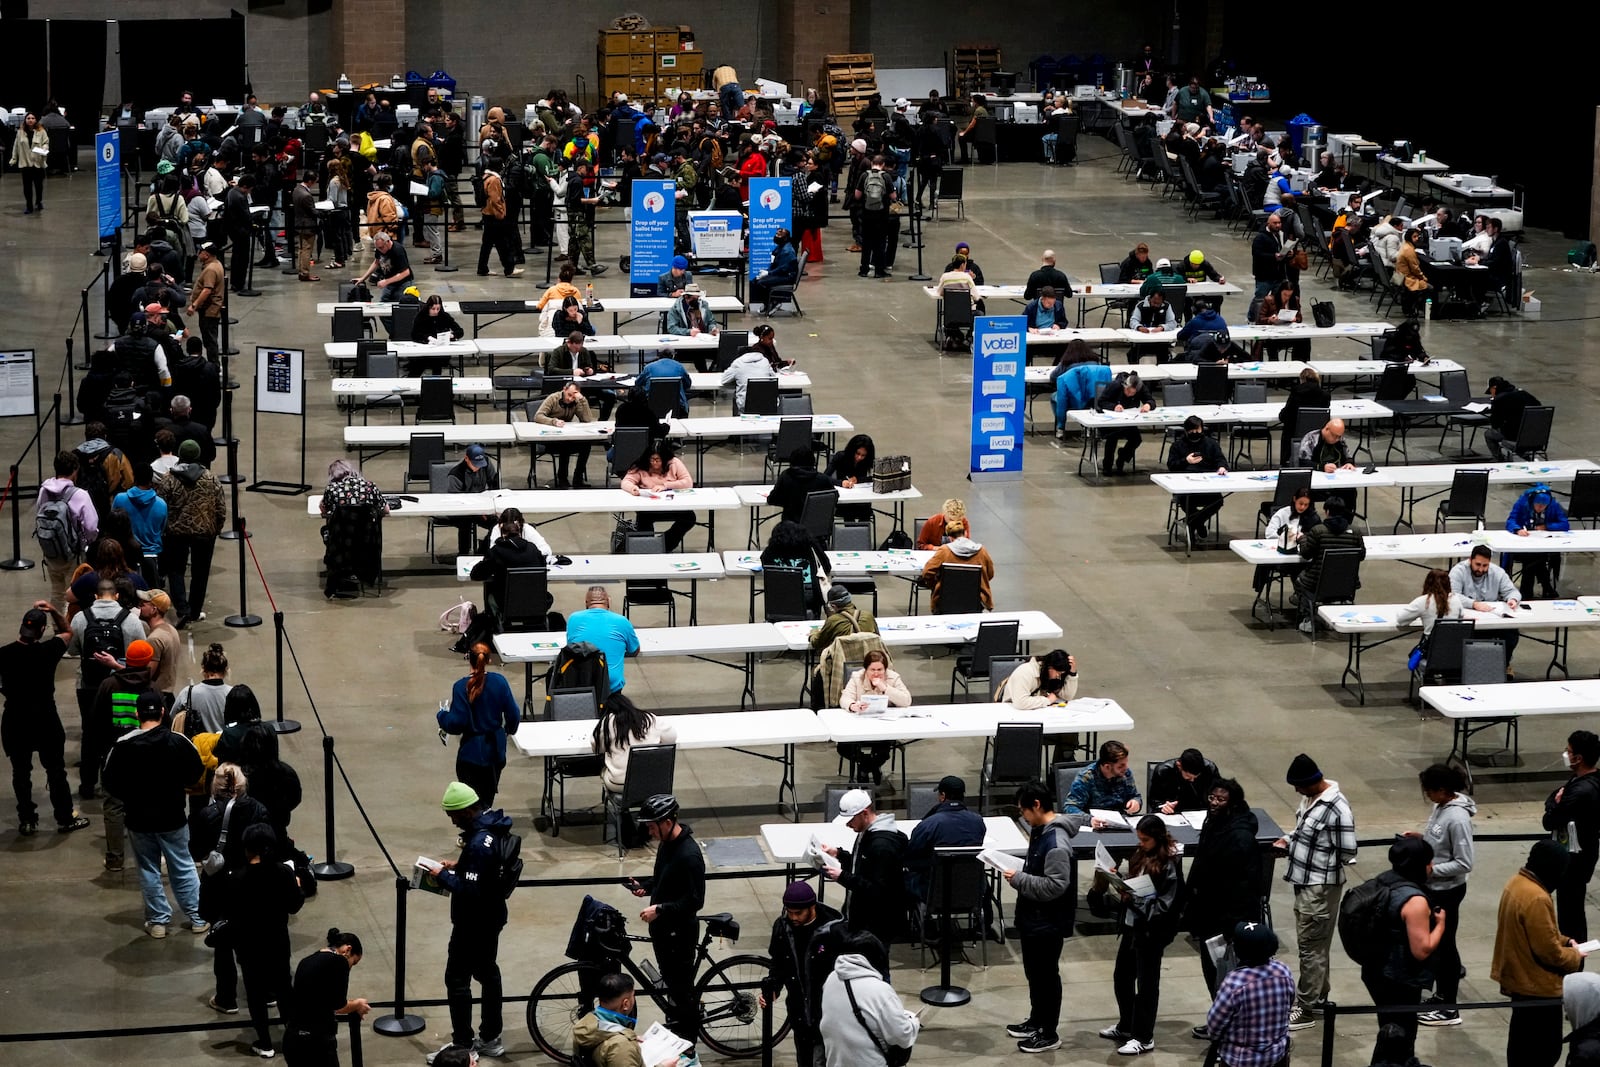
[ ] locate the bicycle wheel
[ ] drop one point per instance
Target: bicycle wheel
(730, 1012)
(555, 1005)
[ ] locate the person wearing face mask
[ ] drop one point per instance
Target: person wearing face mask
(1224, 875)
(687, 317)
(1196, 452)
(1575, 808)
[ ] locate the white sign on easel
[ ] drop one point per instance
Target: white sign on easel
(16, 382)
(281, 380)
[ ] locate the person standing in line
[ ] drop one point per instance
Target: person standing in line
(1575, 808)
(195, 515)
(1047, 904)
(1580, 1000)
(1322, 842)
(229, 812)
(206, 300)
(260, 897)
(1412, 929)
(320, 992)
(1531, 954)
(1146, 927)
(80, 524)
(306, 226)
(90, 634)
(31, 723)
(154, 607)
(862, 1015)
(1249, 1020)
(805, 940)
(477, 918)
(1449, 831)
(873, 870)
(483, 711)
(677, 892)
(1224, 876)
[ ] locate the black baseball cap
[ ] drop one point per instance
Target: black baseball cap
(33, 623)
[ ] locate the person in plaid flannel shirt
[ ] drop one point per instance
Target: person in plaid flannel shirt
(1322, 842)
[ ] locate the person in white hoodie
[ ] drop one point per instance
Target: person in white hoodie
(751, 363)
(623, 726)
(1449, 831)
(1386, 239)
(862, 1015)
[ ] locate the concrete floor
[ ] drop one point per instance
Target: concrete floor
(1170, 638)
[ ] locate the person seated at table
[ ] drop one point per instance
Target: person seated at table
(1126, 392)
(956, 276)
(1335, 531)
(791, 545)
(664, 366)
(875, 679)
(687, 317)
(937, 530)
(517, 545)
(569, 315)
(852, 466)
(960, 550)
(676, 280)
(1415, 287)
(474, 474)
(1350, 253)
(634, 410)
(608, 631)
(1047, 274)
(1305, 392)
(783, 270)
(1501, 262)
(1205, 329)
(1434, 221)
(559, 409)
(751, 362)
(572, 358)
(1489, 588)
(948, 824)
(1197, 452)
(1384, 240)
(1105, 785)
(963, 255)
(1165, 274)
(1153, 314)
(1325, 450)
(843, 617)
(1197, 270)
(1212, 174)
(1046, 313)
(1506, 408)
(562, 289)
(1136, 267)
(1070, 392)
(766, 343)
(1479, 240)
(1537, 509)
(657, 470)
(1298, 517)
(799, 480)
(347, 548)
(1269, 311)
(1330, 177)
(1050, 680)
(1182, 783)
(621, 726)
(1438, 601)
(433, 320)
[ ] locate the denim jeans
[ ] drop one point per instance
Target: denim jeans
(148, 848)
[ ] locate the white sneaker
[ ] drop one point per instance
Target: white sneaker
(1307, 626)
(1111, 1033)
(156, 930)
(497, 1047)
(1061, 434)
(1135, 1047)
(1301, 1018)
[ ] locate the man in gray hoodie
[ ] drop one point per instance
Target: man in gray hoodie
(862, 1015)
(1449, 831)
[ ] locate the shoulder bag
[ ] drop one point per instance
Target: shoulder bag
(214, 862)
(893, 1055)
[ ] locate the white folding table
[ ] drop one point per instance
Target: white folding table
(370, 389)
(1472, 709)
(755, 498)
(691, 567)
(369, 442)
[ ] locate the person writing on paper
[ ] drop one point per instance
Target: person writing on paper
(1248, 1020)
(1224, 879)
(862, 1015)
(1336, 532)
(1046, 313)
(1146, 927)
(1576, 807)
(1197, 452)
(1488, 587)
(1126, 392)
(1537, 510)
(516, 545)
(1105, 785)
(750, 363)
(805, 941)
(1438, 601)
(872, 871)
(657, 470)
(605, 1036)
(559, 410)
(1047, 904)
(1533, 950)
(1183, 783)
(936, 531)
(872, 688)
(687, 317)
(1325, 449)
(620, 727)
(434, 321)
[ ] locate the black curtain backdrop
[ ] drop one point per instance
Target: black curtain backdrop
(163, 57)
(1536, 130)
(78, 72)
(27, 71)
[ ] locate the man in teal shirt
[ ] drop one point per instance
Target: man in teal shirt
(603, 628)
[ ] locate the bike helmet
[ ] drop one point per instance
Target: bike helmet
(659, 807)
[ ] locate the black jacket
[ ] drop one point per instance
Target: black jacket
(476, 897)
(1264, 262)
(193, 429)
(1224, 875)
(792, 487)
(1046, 276)
(1211, 459)
(149, 772)
(201, 381)
(633, 412)
(802, 959)
(1167, 783)
(872, 874)
(463, 479)
(678, 886)
(1112, 395)
(205, 829)
(1505, 410)
(1134, 271)
(1580, 804)
(1303, 395)
(1585, 1042)
(257, 900)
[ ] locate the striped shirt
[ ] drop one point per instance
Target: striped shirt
(1323, 839)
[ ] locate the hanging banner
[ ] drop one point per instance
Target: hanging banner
(650, 234)
(771, 209)
(998, 383)
(108, 182)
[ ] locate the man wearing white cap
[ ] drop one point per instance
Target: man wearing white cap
(859, 165)
(872, 870)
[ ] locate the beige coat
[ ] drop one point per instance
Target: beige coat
(23, 156)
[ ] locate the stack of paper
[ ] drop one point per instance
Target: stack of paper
(1000, 861)
(820, 859)
(659, 1045)
(1109, 817)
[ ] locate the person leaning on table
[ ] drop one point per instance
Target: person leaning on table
(1050, 680)
(1488, 587)
(1107, 783)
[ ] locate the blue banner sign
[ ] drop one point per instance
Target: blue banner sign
(771, 209)
(999, 354)
(108, 182)
(651, 232)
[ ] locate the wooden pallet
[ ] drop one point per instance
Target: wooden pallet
(850, 78)
(971, 65)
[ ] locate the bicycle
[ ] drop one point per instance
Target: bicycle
(730, 1015)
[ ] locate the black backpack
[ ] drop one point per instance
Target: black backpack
(508, 861)
(897, 539)
(102, 635)
(92, 479)
(1365, 929)
(580, 665)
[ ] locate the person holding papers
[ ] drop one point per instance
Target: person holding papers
(1449, 831)
(653, 474)
(870, 690)
(677, 892)
(1149, 921)
(1489, 588)
(1104, 791)
(1224, 880)
(29, 154)
(1047, 905)
(872, 871)
(605, 1036)
(1537, 510)
(1322, 842)
(1045, 312)
(434, 321)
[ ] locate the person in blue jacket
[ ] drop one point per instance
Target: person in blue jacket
(1105, 785)
(1537, 510)
(482, 711)
(784, 270)
(1208, 321)
(665, 366)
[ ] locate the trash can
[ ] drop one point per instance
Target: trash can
(1314, 141)
(1297, 128)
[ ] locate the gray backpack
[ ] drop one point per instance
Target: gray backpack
(56, 528)
(875, 190)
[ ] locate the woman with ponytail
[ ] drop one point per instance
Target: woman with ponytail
(321, 992)
(483, 711)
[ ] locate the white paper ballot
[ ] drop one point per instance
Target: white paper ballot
(1475, 408)
(1000, 861)
(876, 703)
(418, 189)
(659, 1045)
(1102, 857)
(39, 151)
(1589, 946)
(324, 205)
(1172, 820)
(1106, 815)
(1140, 885)
(820, 858)
(1197, 819)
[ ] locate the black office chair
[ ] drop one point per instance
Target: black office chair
(960, 903)
(424, 450)
(401, 320)
(1584, 503)
(1014, 755)
(665, 393)
(525, 602)
(729, 342)
(1533, 433)
(651, 769)
(997, 638)
(949, 191)
(783, 591)
(628, 443)
(568, 705)
(438, 482)
(1242, 435)
(1289, 482)
(1211, 385)
(436, 402)
(787, 294)
(652, 592)
(960, 589)
(958, 314)
(1468, 499)
(760, 397)
(1336, 582)
(855, 537)
(817, 514)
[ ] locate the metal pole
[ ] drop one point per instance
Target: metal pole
(73, 418)
(227, 320)
(282, 725)
(1330, 1017)
(16, 562)
(945, 995)
(766, 1032)
(105, 333)
(83, 314)
(232, 478)
(231, 442)
(244, 618)
(916, 223)
(398, 1023)
(444, 227)
(332, 870)
(355, 1039)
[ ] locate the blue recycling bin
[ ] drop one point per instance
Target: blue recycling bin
(1297, 129)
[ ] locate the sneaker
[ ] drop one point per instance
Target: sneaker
(77, 822)
(198, 926)
(113, 862)
(489, 1046)
(1440, 1018)
(226, 1009)
(1039, 1043)
(598, 269)
(446, 1048)
(1307, 626)
(1061, 434)
(156, 930)
(1111, 1033)
(1300, 1018)
(265, 1051)
(516, 272)
(1134, 1047)
(1200, 1033)
(31, 827)
(1022, 1030)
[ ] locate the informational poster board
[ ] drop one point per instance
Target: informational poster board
(998, 385)
(651, 233)
(108, 183)
(281, 380)
(16, 383)
(771, 209)
(716, 234)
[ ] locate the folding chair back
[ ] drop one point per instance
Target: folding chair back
(960, 589)
(1483, 662)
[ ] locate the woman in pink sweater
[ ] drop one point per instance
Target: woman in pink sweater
(659, 471)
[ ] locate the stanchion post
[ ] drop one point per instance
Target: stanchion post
(232, 478)
(331, 869)
(398, 1023)
(945, 995)
(916, 228)
(355, 1039)
(227, 320)
(229, 441)
(766, 1032)
(282, 725)
(73, 418)
(1330, 1017)
(244, 618)
(16, 562)
(444, 266)
(105, 333)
